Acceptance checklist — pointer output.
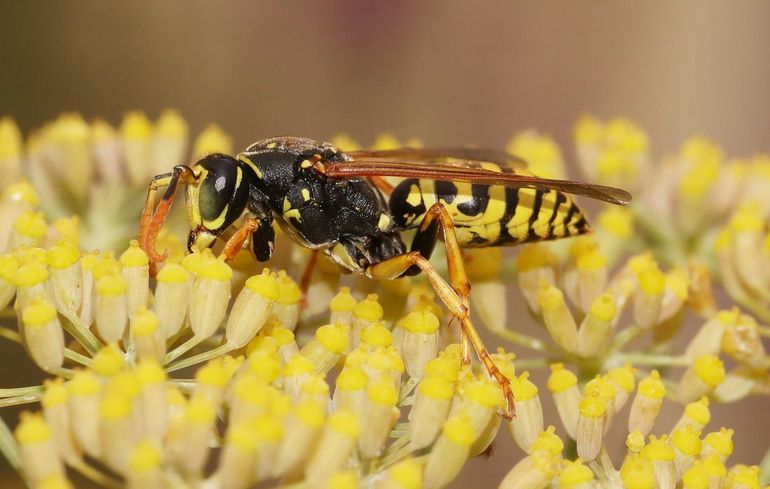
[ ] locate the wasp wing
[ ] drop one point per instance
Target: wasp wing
(446, 155)
(474, 171)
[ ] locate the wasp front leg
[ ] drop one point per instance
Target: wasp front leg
(153, 217)
(454, 296)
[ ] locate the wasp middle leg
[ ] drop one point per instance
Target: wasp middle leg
(454, 296)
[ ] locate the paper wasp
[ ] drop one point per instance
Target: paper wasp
(342, 204)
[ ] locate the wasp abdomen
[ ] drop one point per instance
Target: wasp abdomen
(489, 215)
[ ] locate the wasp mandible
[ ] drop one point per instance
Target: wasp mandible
(341, 204)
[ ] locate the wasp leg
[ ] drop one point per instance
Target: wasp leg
(236, 241)
(307, 275)
(437, 218)
(152, 220)
(395, 267)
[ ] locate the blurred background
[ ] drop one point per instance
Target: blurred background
(448, 72)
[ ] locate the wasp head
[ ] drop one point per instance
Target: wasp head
(216, 199)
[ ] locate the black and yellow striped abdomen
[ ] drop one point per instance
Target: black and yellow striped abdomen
(490, 215)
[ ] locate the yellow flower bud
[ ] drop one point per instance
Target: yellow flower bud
(251, 309)
(647, 404)
(43, 336)
(558, 318)
(335, 445)
(638, 473)
(37, 448)
(327, 347)
(171, 294)
(590, 424)
(450, 452)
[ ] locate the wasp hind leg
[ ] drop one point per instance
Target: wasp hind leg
(153, 217)
(454, 294)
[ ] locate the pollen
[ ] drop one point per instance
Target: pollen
(38, 313)
(31, 224)
(343, 301)
(460, 430)
(32, 429)
(369, 309)
(264, 284)
(421, 322)
(145, 457)
(652, 386)
(108, 361)
(346, 423)
(592, 405)
(135, 126)
(560, 379)
(62, 255)
(10, 138)
(523, 388)
(574, 475)
(212, 140)
(30, 274)
(710, 369)
(288, 290)
(171, 124)
(134, 256)
(173, 273)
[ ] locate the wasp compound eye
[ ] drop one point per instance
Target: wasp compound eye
(218, 186)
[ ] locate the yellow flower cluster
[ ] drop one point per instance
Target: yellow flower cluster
(219, 375)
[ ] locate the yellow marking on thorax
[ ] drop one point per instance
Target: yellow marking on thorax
(306, 164)
(341, 256)
(251, 164)
(286, 204)
(383, 222)
(292, 213)
(305, 194)
(272, 145)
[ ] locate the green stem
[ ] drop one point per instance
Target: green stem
(395, 452)
(181, 349)
(199, 358)
(9, 448)
(523, 340)
(9, 334)
(95, 475)
(407, 388)
(764, 469)
(626, 336)
(531, 363)
(640, 358)
(77, 357)
(75, 326)
(21, 391)
(17, 400)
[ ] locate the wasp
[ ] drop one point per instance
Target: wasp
(344, 205)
